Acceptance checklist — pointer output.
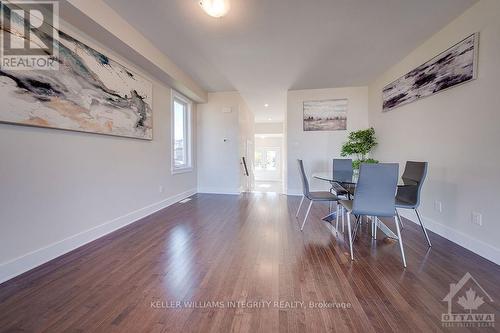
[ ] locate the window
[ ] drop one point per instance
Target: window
(181, 133)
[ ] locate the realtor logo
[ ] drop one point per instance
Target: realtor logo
(30, 31)
(464, 302)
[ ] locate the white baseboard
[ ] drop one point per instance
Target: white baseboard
(472, 244)
(22, 264)
(214, 190)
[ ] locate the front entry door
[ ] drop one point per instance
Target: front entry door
(268, 164)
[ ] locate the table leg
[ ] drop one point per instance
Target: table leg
(385, 229)
(330, 217)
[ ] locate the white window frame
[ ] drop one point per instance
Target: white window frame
(189, 140)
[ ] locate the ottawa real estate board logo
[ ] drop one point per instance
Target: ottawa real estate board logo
(29, 35)
(467, 302)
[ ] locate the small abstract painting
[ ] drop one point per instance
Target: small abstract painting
(454, 66)
(325, 115)
(88, 93)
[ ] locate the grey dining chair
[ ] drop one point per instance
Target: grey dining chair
(311, 196)
(408, 195)
(342, 169)
(375, 197)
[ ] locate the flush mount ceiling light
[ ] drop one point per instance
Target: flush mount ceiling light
(266, 105)
(215, 8)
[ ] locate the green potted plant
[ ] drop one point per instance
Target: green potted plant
(359, 144)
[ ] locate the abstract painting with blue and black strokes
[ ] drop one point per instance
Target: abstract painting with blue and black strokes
(88, 93)
(450, 68)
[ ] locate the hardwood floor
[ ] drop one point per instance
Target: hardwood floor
(264, 186)
(247, 248)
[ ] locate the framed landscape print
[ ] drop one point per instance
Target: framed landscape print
(325, 115)
(89, 92)
(452, 67)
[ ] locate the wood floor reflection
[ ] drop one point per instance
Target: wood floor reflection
(222, 263)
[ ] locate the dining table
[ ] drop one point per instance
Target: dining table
(346, 182)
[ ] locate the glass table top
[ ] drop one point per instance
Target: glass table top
(351, 178)
(338, 177)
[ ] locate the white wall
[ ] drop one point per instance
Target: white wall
(456, 131)
(219, 169)
(318, 148)
(61, 189)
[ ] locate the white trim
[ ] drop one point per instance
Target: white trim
(458, 237)
(214, 190)
(17, 266)
(189, 140)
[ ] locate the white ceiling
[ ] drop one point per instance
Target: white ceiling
(263, 48)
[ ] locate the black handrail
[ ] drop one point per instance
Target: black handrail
(245, 166)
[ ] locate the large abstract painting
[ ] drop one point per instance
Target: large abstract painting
(325, 115)
(454, 66)
(88, 93)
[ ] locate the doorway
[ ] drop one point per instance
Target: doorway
(268, 164)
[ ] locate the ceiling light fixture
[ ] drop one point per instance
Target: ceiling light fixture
(215, 8)
(266, 105)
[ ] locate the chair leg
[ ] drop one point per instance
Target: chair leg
(307, 214)
(359, 220)
(343, 216)
(337, 218)
(400, 240)
(349, 231)
(399, 219)
(300, 205)
(423, 227)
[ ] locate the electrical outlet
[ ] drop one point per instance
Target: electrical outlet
(477, 218)
(438, 206)
(160, 188)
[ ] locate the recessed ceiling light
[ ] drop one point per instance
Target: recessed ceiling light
(269, 119)
(266, 105)
(215, 8)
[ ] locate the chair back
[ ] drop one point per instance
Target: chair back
(376, 190)
(342, 169)
(303, 178)
(413, 177)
